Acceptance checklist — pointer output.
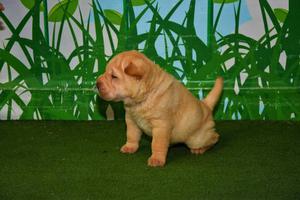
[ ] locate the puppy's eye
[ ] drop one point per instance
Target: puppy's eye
(113, 76)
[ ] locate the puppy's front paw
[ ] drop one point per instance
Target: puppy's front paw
(154, 161)
(129, 148)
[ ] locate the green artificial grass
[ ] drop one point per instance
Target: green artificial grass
(81, 160)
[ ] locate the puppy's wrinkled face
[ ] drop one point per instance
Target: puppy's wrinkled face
(122, 78)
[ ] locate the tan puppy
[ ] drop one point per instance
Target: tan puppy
(158, 105)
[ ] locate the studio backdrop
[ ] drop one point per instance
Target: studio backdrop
(51, 53)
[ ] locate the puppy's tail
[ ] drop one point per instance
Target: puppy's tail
(213, 96)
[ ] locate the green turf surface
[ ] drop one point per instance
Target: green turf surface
(81, 160)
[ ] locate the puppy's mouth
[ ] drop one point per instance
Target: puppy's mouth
(104, 94)
(109, 96)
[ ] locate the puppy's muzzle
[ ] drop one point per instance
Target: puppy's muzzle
(100, 85)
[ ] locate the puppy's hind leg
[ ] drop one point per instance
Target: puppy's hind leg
(202, 141)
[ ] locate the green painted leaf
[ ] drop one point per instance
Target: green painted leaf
(139, 2)
(113, 16)
(281, 14)
(226, 1)
(30, 4)
(57, 12)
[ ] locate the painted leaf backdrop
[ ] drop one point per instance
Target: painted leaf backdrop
(257, 85)
(66, 7)
(30, 4)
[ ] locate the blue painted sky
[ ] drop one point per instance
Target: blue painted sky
(226, 24)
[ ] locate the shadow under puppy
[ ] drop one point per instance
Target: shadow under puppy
(158, 105)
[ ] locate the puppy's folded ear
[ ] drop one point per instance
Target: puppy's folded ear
(135, 71)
